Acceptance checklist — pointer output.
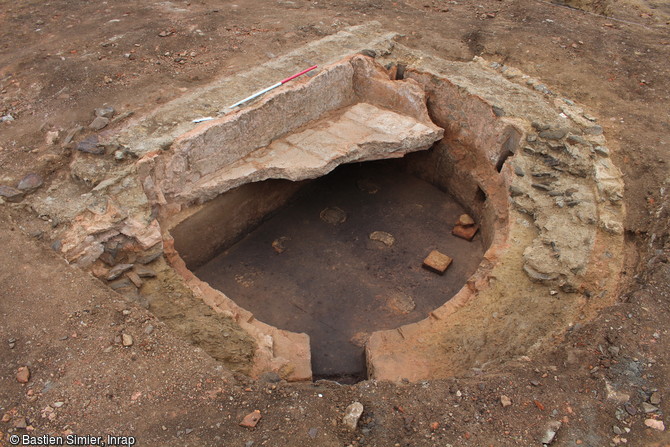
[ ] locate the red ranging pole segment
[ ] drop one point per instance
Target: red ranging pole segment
(298, 74)
(265, 90)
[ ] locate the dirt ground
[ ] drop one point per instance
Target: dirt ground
(61, 59)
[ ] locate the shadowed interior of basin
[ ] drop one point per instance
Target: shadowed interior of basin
(330, 280)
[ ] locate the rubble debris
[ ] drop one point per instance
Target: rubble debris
(251, 419)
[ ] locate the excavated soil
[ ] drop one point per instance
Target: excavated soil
(60, 60)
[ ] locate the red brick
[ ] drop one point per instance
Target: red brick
(466, 233)
(437, 262)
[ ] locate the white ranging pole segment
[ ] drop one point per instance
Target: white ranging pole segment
(257, 94)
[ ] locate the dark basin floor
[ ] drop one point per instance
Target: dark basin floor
(331, 281)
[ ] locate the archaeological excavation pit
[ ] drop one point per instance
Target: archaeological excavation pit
(312, 235)
(340, 260)
(303, 219)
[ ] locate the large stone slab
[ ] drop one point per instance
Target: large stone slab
(361, 132)
(324, 118)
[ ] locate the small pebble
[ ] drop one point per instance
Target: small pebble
(655, 398)
(126, 340)
(23, 374)
(648, 408)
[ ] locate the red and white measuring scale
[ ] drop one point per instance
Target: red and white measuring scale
(265, 90)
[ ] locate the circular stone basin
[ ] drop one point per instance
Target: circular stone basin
(532, 170)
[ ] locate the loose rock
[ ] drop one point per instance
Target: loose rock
(105, 112)
(655, 424)
(251, 419)
(615, 395)
(505, 401)
(118, 270)
(333, 216)
(51, 137)
(655, 398)
(100, 122)
(383, 237)
(465, 220)
(126, 340)
(30, 182)
(134, 278)
(515, 191)
(550, 434)
(20, 423)
(90, 146)
(150, 256)
(120, 284)
(279, 244)
(270, 377)
(10, 194)
(648, 408)
(71, 134)
(518, 171)
(594, 130)
(352, 415)
(630, 409)
(553, 134)
(602, 150)
(144, 272)
(23, 375)
(541, 187)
